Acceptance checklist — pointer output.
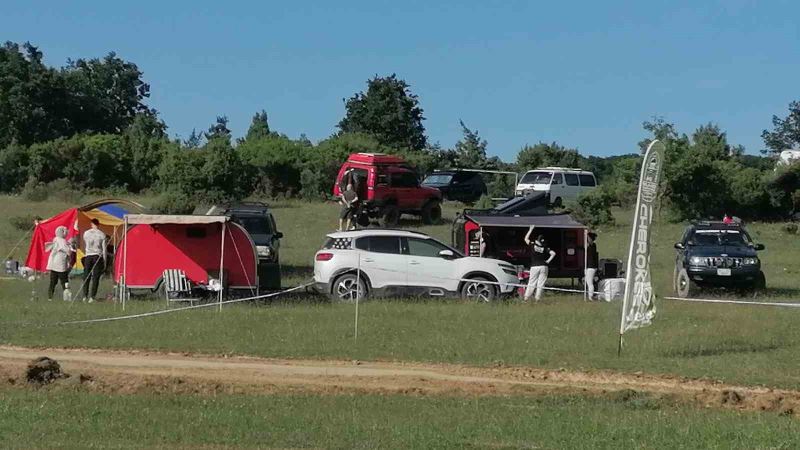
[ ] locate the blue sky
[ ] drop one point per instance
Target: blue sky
(584, 74)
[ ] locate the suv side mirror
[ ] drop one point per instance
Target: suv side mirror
(278, 235)
(759, 247)
(446, 254)
(679, 246)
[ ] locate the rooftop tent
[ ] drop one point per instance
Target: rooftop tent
(192, 243)
(77, 220)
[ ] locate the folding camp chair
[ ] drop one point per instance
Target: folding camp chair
(177, 288)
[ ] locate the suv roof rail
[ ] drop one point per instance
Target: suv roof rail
(575, 169)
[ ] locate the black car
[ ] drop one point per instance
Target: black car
(458, 185)
(257, 219)
(716, 254)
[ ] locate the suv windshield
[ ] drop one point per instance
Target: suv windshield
(537, 178)
(719, 237)
(258, 227)
(438, 179)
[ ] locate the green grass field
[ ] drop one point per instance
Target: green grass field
(735, 343)
(72, 419)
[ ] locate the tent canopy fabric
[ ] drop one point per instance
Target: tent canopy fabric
(109, 212)
(158, 219)
(543, 221)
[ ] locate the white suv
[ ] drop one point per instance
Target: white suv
(560, 183)
(405, 262)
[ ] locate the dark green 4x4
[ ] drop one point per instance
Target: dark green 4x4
(716, 254)
(257, 219)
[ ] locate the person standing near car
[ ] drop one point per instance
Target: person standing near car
(94, 242)
(541, 256)
(349, 201)
(592, 262)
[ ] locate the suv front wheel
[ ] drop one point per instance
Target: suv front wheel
(432, 212)
(685, 286)
(478, 289)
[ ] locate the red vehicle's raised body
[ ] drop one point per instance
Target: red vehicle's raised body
(388, 187)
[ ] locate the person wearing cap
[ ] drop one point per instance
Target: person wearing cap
(541, 256)
(592, 262)
(94, 243)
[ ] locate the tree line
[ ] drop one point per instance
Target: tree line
(86, 127)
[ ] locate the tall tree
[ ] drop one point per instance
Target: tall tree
(470, 150)
(219, 130)
(785, 133)
(389, 111)
(259, 127)
(543, 154)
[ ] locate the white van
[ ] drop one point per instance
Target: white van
(561, 183)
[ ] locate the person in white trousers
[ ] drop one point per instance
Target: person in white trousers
(541, 256)
(592, 261)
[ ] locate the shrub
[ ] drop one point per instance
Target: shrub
(593, 208)
(485, 202)
(173, 202)
(314, 185)
(22, 223)
(790, 228)
(63, 190)
(34, 191)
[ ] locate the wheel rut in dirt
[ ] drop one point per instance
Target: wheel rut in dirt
(120, 372)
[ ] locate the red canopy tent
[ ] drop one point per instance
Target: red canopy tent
(77, 220)
(201, 246)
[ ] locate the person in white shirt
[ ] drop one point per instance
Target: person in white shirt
(58, 262)
(94, 242)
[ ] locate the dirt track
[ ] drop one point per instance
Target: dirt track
(141, 371)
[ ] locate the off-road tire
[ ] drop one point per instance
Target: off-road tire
(477, 289)
(345, 289)
(685, 287)
(390, 216)
(432, 213)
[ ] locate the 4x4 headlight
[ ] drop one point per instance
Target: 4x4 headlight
(697, 261)
(264, 251)
(749, 261)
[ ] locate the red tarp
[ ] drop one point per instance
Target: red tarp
(45, 232)
(193, 248)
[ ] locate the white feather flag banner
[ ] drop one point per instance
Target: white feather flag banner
(638, 308)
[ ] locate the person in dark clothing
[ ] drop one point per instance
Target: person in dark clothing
(349, 203)
(541, 256)
(94, 242)
(592, 262)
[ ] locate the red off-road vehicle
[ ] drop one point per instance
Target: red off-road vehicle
(387, 187)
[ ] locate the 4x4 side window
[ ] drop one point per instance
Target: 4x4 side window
(404, 179)
(587, 180)
(379, 244)
(571, 179)
(557, 179)
(424, 247)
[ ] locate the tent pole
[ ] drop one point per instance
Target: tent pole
(124, 282)
(221, 259)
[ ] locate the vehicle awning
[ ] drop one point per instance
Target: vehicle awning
(543, 221)
(155, 219)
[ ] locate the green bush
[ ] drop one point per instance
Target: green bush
(593, 208)
(174, 202)
(485, 202)
(64, 190)
(33, 191)
(314, 185)
(790, 228)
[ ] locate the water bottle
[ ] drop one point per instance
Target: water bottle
(67, 293)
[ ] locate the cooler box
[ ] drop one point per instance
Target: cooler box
(610, 289)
